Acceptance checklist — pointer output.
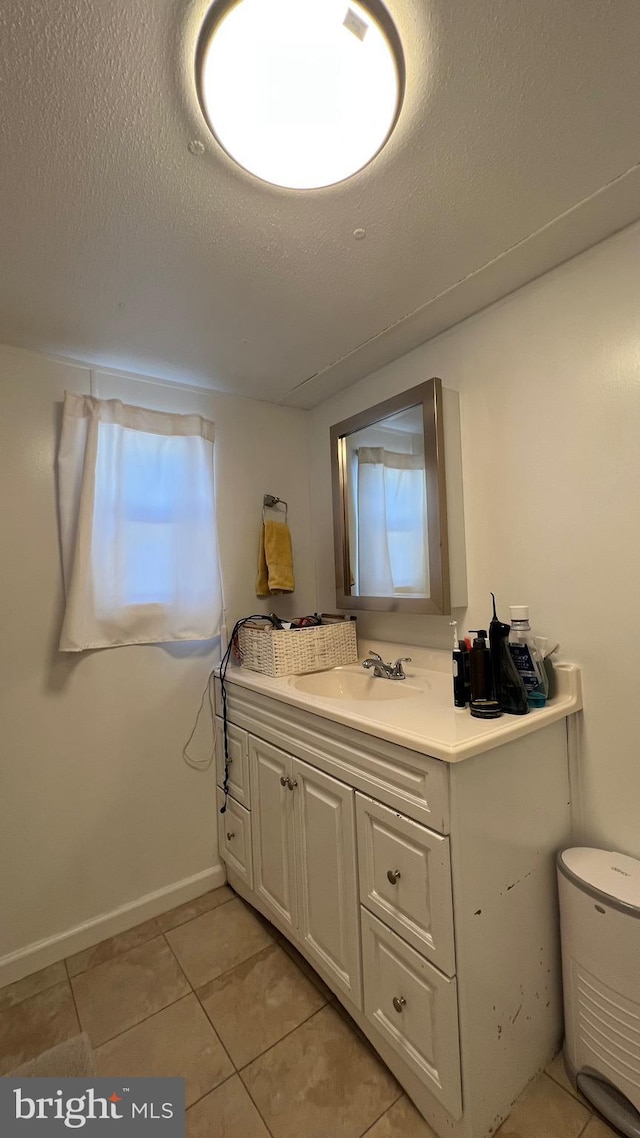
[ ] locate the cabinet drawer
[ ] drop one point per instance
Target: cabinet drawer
(405, 879)
(415, 1009)
(239, 761)
(234, 827)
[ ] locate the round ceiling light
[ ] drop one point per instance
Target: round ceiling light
(301, 93)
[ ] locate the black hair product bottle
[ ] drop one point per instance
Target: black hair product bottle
(508, 687)
(483, 705)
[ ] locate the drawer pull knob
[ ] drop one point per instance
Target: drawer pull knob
(399, 1003)
(230, 835)
(291, 782)
(284, 781)
(393, 875)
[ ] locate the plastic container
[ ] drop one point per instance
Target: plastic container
(526, 657)
(600, 932)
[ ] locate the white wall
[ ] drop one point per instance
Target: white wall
(549, 383)
(97, 807)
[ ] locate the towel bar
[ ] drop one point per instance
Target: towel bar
(270, 500)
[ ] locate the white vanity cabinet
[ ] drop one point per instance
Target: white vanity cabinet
(303, 855)
(422, 891)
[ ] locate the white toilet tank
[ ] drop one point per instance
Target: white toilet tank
(600, 930)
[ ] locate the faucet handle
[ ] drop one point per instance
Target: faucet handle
(371, 655)
(398, 670)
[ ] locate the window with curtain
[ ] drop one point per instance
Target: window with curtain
(138, 527)
(391, 523)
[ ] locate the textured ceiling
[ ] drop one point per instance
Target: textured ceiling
(517, 146)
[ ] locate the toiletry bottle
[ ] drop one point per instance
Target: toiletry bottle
(465, 646)
(483, 705)
(460, 669)
(508, 688)
(542, 646)
(525, 656)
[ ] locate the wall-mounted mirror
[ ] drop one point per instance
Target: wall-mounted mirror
(389, 505)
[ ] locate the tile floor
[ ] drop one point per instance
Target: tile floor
(212, 992)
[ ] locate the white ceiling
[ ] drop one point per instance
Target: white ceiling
(517, 147)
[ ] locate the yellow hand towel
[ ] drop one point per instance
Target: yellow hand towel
(275, 560)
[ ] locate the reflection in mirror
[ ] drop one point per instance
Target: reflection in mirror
(387, 504)
(390, 505)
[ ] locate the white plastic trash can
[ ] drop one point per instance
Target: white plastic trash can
(600, 929)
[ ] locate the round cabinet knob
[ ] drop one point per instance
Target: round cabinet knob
(284, 781)
(291, 782)
(230, 835)
(399, 1003)
(393, 876)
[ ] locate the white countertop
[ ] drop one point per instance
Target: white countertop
(426, 722)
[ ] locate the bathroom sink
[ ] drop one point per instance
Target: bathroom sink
(339, 684)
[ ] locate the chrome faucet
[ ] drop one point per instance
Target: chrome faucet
(386, 671)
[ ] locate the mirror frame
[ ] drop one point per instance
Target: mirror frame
(429, 395)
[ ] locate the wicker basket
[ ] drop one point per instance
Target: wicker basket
(289, 653)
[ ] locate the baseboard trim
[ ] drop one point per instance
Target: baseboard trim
(41, 953)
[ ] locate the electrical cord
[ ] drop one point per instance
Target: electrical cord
(202, 765)
(224, 664)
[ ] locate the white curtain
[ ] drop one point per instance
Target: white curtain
(137, 525)
(392, 524)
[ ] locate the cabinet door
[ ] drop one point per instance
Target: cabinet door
(328, 909)
(272, 830)
(238, 761)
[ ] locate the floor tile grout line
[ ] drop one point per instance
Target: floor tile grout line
(192, 992)
(575, 1095)
(182, 971)
(227, 1079)
(98, 964)
(40, 992)
(35, 995)
(259, 1112)
(215, 1032)
(91, 948)
(545, 1074)
(73, 997)
(206, 912)
(377, 1120)
(587, 1123)
(103, 1042)
(241, 1070)
(144, 1018)
(235, 1075)
(228, 971)
(260, 1053)
(272, 1045)
(593, 1114)
(110, 959)
(161, 932)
